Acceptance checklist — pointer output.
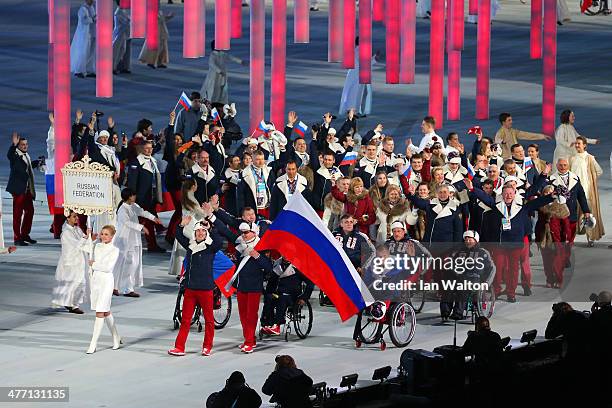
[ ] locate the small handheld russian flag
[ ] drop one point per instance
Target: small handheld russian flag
(301, 129)
(263, 127)
(184, 101)
(528, 164)
(349, 158)
(215, 115)
(475, 130)
(406, 170)
(470, 171)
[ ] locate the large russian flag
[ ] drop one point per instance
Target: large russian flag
(300, 236)
(223, 271)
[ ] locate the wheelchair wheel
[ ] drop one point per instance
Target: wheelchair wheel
(486, 303)
(417, 299)
(402, 324)
(595, 8)
(369, 330)
(302, 319)
(222, 309)
(178, 311)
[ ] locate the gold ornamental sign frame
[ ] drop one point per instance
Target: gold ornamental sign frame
(93, 194)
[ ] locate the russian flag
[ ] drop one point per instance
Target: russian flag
(223, 270)
(167, 203)
(349, 158)
(470, 171)
(528, 164)
(301, 129)
(50, 187)
(184, 101)
(406, 170)
(475, 130)
(215, 115)
(263, 127)
(300, 236)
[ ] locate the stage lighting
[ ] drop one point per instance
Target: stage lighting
(529, 336)
(349, 381)
(381, 373)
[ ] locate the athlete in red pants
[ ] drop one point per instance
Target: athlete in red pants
(507, 264)
(199, 282)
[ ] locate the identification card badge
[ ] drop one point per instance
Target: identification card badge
(506, 224)
(261, 194)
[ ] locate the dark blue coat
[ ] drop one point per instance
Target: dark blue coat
(18, 179)
(140, 181)
(251, 276)
(445, 228)
(199, 268)
(575, 196)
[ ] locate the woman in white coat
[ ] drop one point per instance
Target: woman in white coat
(103, 258)
(355, 95)
(83, 46)
(71, 267)
(192, 209)
(566, 135)
(215, 87)
(128, 270)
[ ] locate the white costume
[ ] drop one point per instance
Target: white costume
(354, 94)
(105, 257)
(122, 47)
(215, 87)
(429, 139)
(566, 135)
(473, 19)
(563, 13)
(71, 268)
(83, 47)
(423, 8)
(178, 252)
(128, 269)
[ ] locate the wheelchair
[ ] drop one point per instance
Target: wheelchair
(222, 310)
(596, 7)
(480, 303)
(399, 320)
(297, 316)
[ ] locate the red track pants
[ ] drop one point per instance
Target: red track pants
(204, 299)
(248, 309)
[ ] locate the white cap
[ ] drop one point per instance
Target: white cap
(102, 133)
(398, 224)
(331, 131)
(245, 227)
(508, 179)
(471, 234)
(252, 140)
(201, 225)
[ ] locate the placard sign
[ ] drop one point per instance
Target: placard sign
(88, 187)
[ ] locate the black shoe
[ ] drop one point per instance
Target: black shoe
(157, 250)
(162, 66)
(527, 291)
(314, 9)
(76, 310)
(90, 75)
(511, 299)
(151, 66)
(79, 75)
(30, 240)
(20, 243)
(68, 308)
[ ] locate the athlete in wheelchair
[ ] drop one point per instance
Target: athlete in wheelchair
(286, 296)
(472, 264)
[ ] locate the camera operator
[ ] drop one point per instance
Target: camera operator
(601, 338)
(486, 347)
(288, 385)
(235, 394)
(572, 325)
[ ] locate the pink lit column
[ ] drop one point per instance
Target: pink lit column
(455, 37)
(301, 22)
(201, 11)
(457, 17)
(257, 63)
(408, 37)
(549, 65)
(473, 7)
(535, 37)
(483, 57)
(138, 18)
(223, 21)
(378, 10)
(190, 29)
(348, 52)
(334, 31)
(50, 58)
(392, 11)
(152, 33)
(277, 72)
(236, 18)
(104, 48)
(365, 42)
(61, 103)
(436, 62)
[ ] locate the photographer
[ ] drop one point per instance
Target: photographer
(288, 385)
(572, 325)
(486, 347)
(235, 394)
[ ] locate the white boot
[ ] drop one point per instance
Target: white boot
(96, 334)
(110, 322)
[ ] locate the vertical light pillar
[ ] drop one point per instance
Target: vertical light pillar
(202, 28)
(457, 17)
(190, 29)
(348, 52)
(152, 34)
(50, 57)
(301, 22)
(257, 63)
(392, 40)
(279, 52)
(365, 42)
(104, 48)
(378, 10)
(61, 103)
(473, 7)
(223, 21)
(236, 18)
(408, 41)
(483, 59)
(138, 17)
(535, 37)
(549, 65)
(124, 4)
(334, 31)
(436, 62)
(455, 39)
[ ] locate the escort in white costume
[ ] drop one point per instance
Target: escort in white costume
(122, 47)
(566, 135)
(71, 268)
(215, 86)
(83, 46)
(178, 252)
(128, 269)
(355, 95)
